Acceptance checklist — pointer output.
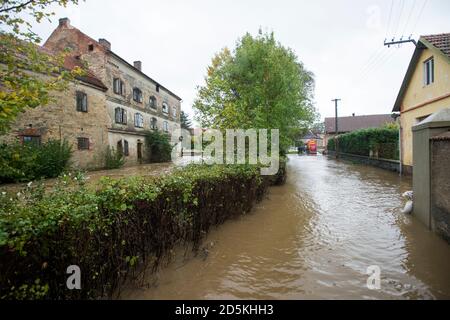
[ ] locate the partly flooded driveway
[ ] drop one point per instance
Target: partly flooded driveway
(314, 238)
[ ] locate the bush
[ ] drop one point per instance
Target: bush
(381, 142)
(113, 159)
(111, 232)
(21, 163)
(158, 147)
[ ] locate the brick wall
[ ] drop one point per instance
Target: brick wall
(440, 187)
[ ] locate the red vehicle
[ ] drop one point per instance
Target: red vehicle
(311, 147)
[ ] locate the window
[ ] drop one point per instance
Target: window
(118, 86)
(126, 150)
(165, 108)
(32, 140)
(121, 115)
(152, 102)
(91, 47)
(83, 143)
(157, 88)
(120, 147)
(81, 101)
(137, 95)
(154, 124)
(428, 72)
(166, 126)
(174, 112)
(138, 120)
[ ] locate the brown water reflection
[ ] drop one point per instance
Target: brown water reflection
(314, 238)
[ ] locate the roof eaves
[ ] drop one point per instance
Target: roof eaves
(409, 73)
(143, 74)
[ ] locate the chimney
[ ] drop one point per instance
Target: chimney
(64, 22)
(353, 114)
(138, 65)
(105, 44)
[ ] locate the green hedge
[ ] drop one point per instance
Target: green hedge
(112, 231)
(381, 141)
(21, 163)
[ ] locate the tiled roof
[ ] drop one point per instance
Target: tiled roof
(348, 124)
(440, 41)
(71, 62)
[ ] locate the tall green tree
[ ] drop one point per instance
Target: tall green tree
(261, 85)
(185, 121)
(28, 74)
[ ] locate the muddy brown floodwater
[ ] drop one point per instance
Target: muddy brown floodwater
(314, 238)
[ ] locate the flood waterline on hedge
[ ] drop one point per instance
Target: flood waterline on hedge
(313, 238)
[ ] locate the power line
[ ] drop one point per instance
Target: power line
(389, 20)
(409, 17)
(419, 16)
(399, 18)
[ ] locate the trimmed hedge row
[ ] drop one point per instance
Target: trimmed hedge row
(376, 142)
(115, 230)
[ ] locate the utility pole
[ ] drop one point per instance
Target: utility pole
(401, 41)
(336, 128)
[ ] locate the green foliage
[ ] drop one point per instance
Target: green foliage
(28, 75)
(113, 159)
(381, 142)
(261, 85)
(158, 146)
(113, 230)
(19, 163)
(185, 122)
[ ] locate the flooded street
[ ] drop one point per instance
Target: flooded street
(314, 238)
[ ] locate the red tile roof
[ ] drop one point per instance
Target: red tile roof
(348, 124)
(440, 41)
(71, 62)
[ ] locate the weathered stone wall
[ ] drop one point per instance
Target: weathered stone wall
(440, 187)
(60, 120)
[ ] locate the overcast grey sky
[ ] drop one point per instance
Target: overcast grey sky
(341, 42)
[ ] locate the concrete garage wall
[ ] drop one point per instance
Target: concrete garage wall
(440, 186)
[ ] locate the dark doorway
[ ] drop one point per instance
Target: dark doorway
(139, 151)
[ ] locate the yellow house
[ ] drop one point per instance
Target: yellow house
(425, 89)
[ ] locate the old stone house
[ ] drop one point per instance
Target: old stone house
(113, 105)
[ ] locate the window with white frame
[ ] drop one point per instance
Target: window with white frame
(152, 102)
(174, 111)
(166, 126)
(138, 120)
(428, 72)
(118, 86)
(165, 108)
(137, 95)
(154, 123)
(121, 115)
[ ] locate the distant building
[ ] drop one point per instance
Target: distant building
(425, 89)
(318, 137)
(353, 123)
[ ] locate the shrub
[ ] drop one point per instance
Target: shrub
(27, 162)
(112, 231)
(367, 142)
(158, 146)
(113, 159)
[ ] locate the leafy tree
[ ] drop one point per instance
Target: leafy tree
(28, 74)
(185, 121)
(158, 146)
(261, 84)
